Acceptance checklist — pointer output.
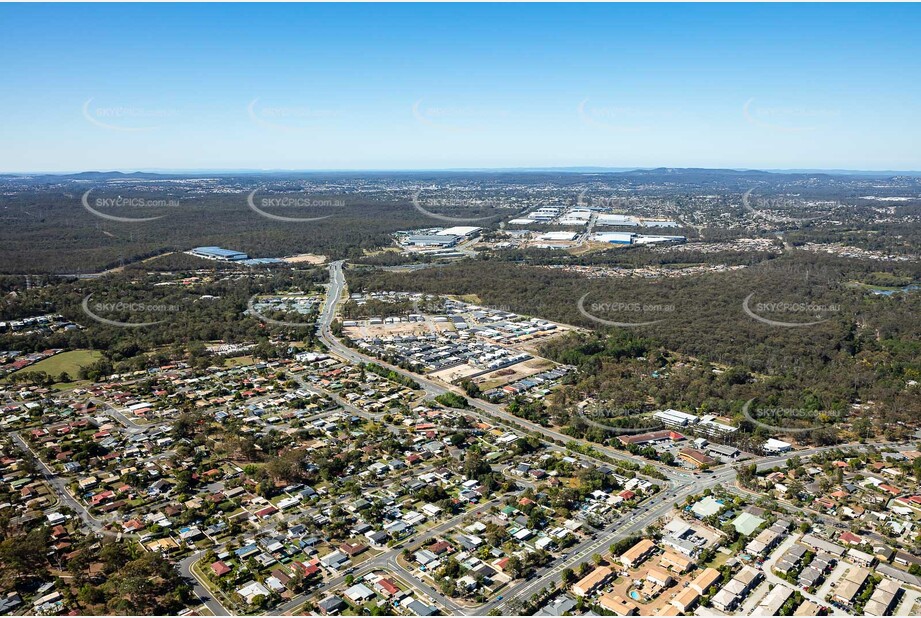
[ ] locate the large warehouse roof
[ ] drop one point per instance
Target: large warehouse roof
(217, 251)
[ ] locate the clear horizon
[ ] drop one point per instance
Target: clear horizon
(574, 170)
(425, 87)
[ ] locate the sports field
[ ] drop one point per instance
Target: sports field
(69, 362)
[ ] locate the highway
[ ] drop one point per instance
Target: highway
(680, 485)
(433, 389)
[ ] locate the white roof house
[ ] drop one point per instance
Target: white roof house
(251, 590)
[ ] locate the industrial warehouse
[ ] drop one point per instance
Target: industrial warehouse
(219, 254)
(437, 237)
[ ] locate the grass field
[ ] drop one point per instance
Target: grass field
(69, 362)
(236, 361)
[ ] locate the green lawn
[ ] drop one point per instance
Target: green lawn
(236, 361)
(71, 362)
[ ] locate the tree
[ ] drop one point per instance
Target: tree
(147, 585)
(22, 557)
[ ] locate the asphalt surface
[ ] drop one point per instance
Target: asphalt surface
(203, 594)
(433, 389)
(680, 485)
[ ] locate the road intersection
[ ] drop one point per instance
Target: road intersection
(680, 485)
(677, 487)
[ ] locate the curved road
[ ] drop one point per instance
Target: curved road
(682, 485)
(327, 315)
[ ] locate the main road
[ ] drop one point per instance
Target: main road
(680, 485)
(433, 389)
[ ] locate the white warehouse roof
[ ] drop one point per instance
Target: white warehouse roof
(460, 230)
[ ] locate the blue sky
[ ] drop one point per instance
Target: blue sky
(418, 86)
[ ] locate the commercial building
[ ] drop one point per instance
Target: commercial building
(615, 219)
(675, 418)
(462, 231)
(652, 437)
(641, 239)
(776, 446)
(706, 425)
(430, 240)
(617, 238)
(218, 253)
(546, 213)
(558, 236)
(695, 457)
(719, 450)
(711, 427)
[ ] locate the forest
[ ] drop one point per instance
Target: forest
(212, 309)
(55, 234)
(707, 354)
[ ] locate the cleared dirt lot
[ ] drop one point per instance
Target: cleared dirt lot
(520, 371)
(306, 258)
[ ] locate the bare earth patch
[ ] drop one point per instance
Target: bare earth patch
(306, 258)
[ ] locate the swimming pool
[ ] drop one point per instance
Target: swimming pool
(634, 595)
